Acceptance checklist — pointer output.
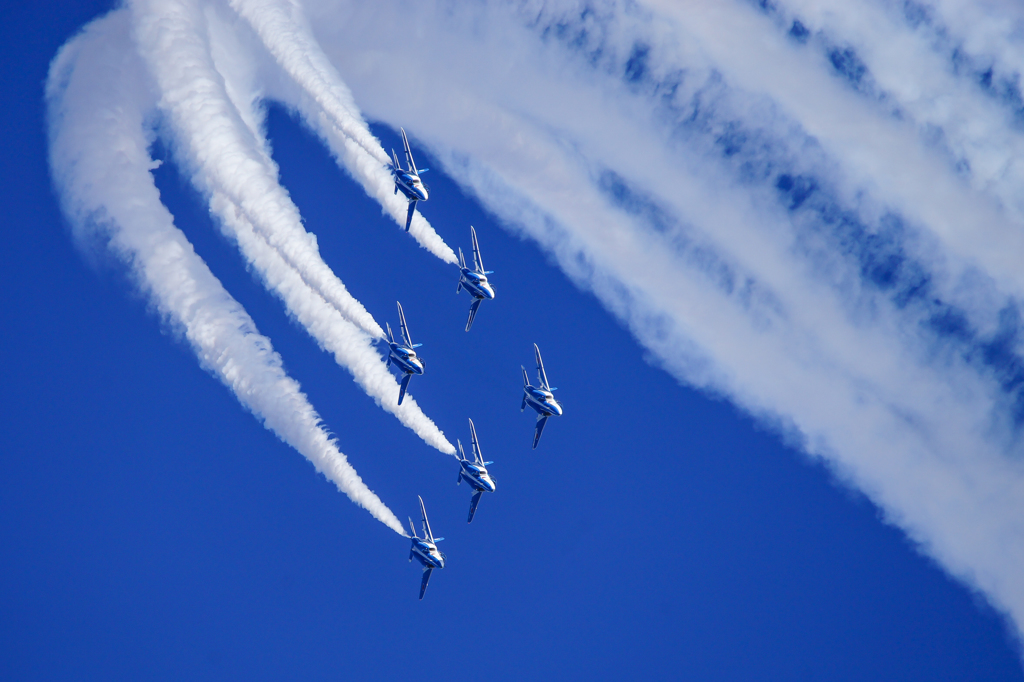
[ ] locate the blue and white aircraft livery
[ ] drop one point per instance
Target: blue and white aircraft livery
(403, 354)
(539, 397)
(408, 180)
(475, 472)
(475, 280)
(425, 549)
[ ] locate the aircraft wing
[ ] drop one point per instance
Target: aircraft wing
(473, 504)
(404, 388)
(408, 216)
(406, 337)
(542, 376)
(541, 421)
(426, 579)
(426, 523)
(472, 312)
(408, 153)
(478, 261)
(477, 455)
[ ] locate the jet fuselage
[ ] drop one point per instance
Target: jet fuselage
(410, 185)
(406, 359)
(477, 477)
(427, 553)
(476, 284)
(542, 401)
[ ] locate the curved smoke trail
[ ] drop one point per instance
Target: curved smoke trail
(775, 220)
(327, 106)
(231, 167)
(98, 98)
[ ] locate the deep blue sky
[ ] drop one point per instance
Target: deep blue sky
(151, 529)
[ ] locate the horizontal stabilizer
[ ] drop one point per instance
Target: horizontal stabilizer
(426, 579)
(473, 504)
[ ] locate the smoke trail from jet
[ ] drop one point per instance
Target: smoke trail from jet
(230, 166)
(98, 98)
(764, 223)
(328, 108)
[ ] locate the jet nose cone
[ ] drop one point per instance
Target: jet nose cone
(491, 485)
(489, 291)
(556, 407)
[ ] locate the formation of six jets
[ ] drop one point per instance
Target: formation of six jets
(402, 354)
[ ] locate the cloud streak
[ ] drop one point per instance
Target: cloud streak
(99, 97)
(774, 228)
(215, 136)
(325, 103)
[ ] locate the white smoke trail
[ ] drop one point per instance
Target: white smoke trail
(328, 108)
(232, 169)
(98, 97)
(707, 268)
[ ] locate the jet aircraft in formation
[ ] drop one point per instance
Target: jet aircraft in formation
(475, 279)
(474, 472)
(539, 397)
(404, 354)
(425, 549)
(408, 180)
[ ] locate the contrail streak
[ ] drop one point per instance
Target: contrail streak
(329, 109)
(241, 184)
(98, 98)
(730, 287)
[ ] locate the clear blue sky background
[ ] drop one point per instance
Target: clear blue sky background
(150, 529)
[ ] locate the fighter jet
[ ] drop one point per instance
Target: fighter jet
(475, 472)
(539, 397)
(425, 550)
(475, 280)
(408, 179)
(403, 355)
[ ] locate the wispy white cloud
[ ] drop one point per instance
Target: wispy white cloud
(99, 98)
(326, 105)
(767, 230)
(227, 157)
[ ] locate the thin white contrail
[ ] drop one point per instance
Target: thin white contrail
(230, 167)
(223, 151)
(98, 99)
(327, 106)
(723, 293)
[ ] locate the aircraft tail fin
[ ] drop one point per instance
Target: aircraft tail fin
(391, 337)
(412, 527)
